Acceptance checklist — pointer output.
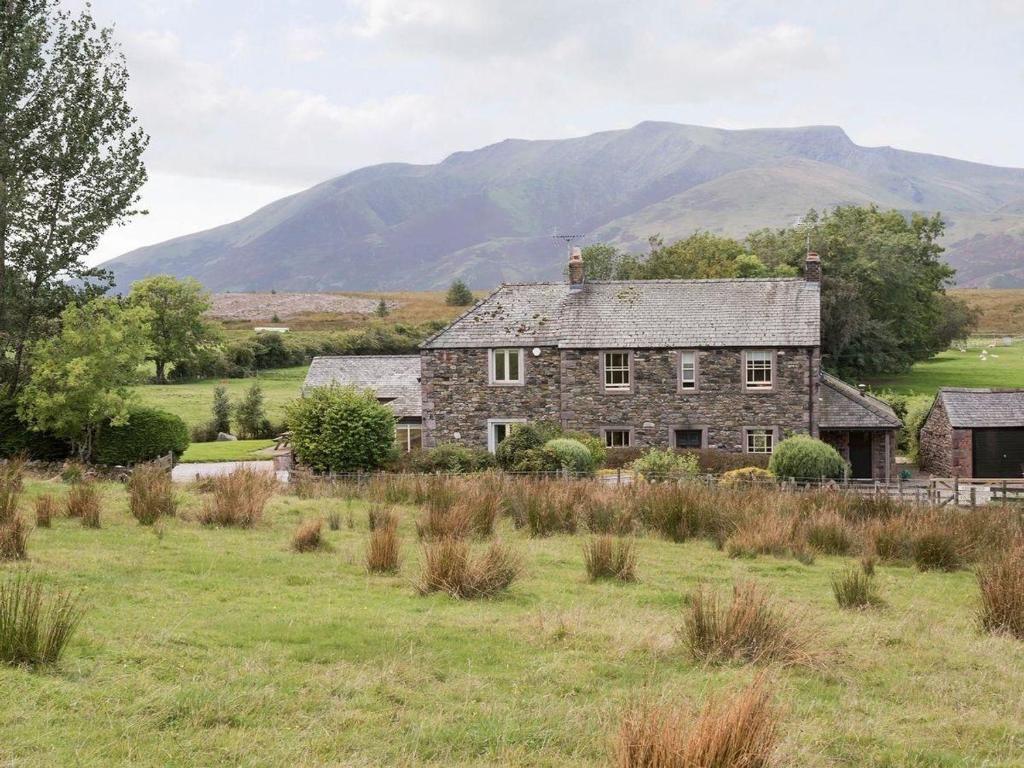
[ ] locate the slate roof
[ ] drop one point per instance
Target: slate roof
(969, 408)
(844, 407)
(394, 378)
(776, 312)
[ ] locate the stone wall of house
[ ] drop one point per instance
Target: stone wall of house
(943, 450)
(721, 406)
(458, 400)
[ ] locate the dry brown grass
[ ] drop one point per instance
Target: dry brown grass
(459, 509)
(308, 535)
(83, 502)
(238, 499)
(151, 494)
(752, 627)
(770, 533)
(14, 535)
(1001, 581)
(609, 557)
(14, 531)
(737, 732)
(1002, 309)
(450, 566)
(384, 547)
(47, 508)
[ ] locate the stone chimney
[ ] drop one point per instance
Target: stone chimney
(812, 267)
(576, 269)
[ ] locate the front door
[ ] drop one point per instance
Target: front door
(860, 455)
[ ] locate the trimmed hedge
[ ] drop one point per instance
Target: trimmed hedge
(447, 457)
(804, 458)
(570, 455)
(16, 439)
(149, 434)
(340, 429)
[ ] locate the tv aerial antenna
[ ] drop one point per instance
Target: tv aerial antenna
(567, 239)
(801, 222)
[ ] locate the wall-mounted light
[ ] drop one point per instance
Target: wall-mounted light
(536, 351)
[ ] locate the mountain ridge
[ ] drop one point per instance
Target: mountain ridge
(486, 215)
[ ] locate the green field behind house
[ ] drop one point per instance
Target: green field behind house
(228, 450)
(999, 367)
(209, 646)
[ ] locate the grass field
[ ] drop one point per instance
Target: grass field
(221, 647)
(1000, 367)
(227, 450)
(1002, 310)
(192, 401)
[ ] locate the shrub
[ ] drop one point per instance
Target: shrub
(450, 457)
(617, 458)
(339, 429)
(34, 627)
(221, 410)
(712, 461)
(750, 629)
(383, 549)
(598, 451)
(935, 550)
(308, 536)
(665, 465)
(609, 557)
(742, 732)
(522, 449)
(149, 434)
(458, 295)
(84, 503)
(805, 458)
(570, 455)
(251, 415)
(449, 566)
(1001, 582)
(828, 533)
(46, 510)
(151, 494)
(238, 498)
(203, 433)
(855, 589)
(16, 439)
(745, 476)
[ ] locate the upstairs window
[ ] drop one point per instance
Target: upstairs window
(760, 440)
(687, 371)
(758, 374)
(506, 366)
(616, 372)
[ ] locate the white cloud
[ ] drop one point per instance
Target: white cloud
(305, 44)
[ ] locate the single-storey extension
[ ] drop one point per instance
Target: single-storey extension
(974, 433)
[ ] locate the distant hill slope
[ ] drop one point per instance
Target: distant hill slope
(487, 215)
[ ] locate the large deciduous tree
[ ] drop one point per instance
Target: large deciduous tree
(176, 326)
(70, 168)
(82, 377)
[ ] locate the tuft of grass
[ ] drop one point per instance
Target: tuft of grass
(935, 550)
(46, 510)
(151, 494)
(1001, 581)
(380, 517)
(34, 627)
(855, 589)
(12, 475)
(738, 732)
(771, 533)
(334, 520)
(829, 534)
(450, 566)
(609, 557)
(308, 536)
(84, 503)
(867, 564)
(750, 628)
(383, 549)
(14, 535)
(238, 499)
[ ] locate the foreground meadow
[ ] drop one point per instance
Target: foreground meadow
(222, 646)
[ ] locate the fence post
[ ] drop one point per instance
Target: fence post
(956, 491)
(972, 496)
(618, 476)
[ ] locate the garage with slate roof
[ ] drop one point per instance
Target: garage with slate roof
(977, 433)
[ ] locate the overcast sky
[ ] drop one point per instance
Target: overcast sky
(249, 100)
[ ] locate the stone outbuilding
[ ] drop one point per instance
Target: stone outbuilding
(862, 428)
(976, 433)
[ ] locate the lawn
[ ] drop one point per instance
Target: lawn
(1000, 367)
(228, 450)
(192, 401)
(222, 647)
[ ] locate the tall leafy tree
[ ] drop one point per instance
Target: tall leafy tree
(601, 261)
(81, 378)
(883, 301)
(700, 256)
(70, 168)
(177, 328)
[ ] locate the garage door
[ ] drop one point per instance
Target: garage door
(999, 452)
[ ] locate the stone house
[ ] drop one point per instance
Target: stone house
(729, 364)
(974, 433)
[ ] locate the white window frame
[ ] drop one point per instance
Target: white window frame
(606, 433)
(492, 367)
(405, 443)
(751, 365)
(627, 368)
(750, 433)
(492, 442)
(688, 384)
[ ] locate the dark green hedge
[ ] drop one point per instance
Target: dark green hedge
(17, 439)
(149, 434)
